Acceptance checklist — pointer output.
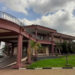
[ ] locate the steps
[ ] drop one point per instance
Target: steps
(6, 61)
(9, 61)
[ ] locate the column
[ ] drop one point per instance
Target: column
(36, 33)
(12, 51)
(52, 46)
(36, 52)
(60, 45)
(52, 49)
(47, 51)
(19, 51)
(59, 52)
(60, 39)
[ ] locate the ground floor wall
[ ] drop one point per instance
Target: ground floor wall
(45, 51)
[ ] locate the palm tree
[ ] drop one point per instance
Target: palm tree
(29, 53)
(35, 46)
(32, 46)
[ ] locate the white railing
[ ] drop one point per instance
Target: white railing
(11, 18)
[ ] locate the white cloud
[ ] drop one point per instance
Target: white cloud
(63, 20)
(16, 5)
(39, 6)
(46, 6)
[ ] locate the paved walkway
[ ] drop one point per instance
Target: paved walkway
(38, 72)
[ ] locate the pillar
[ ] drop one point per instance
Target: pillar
(52, 49)
(19, 51)
(36, 53)
(12, 51)
(59, 52)
(47, 51)
(52, 46)
(60, 39)
(36, 32)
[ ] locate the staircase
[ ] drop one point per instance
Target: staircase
(6, 62)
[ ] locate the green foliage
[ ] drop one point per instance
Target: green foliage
(32, 43)
(58, 46)
(73, 47)
(66, 47)
(57, 62)
(35, 45)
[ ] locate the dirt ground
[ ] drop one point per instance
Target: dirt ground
(38, 72)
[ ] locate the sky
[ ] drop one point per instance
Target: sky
(56, 14)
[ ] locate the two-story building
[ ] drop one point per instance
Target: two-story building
(17, 36)
(48, 38)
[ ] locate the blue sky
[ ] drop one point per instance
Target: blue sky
(56, 14)
(21, 15)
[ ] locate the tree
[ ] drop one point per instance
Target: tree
(65, 47)
(29, 53)
(32, 45)
(73, 47)
(35, 46)
(58, 47)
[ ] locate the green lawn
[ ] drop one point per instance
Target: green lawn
(57, 62)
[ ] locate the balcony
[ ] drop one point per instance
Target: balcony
(42, 40)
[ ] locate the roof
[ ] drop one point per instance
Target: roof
(40, 27)
(64, 36)
(57, 34)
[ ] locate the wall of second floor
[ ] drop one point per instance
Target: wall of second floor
(61, 40)
(44, 35)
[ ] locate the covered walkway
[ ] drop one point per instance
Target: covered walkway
(14, 36)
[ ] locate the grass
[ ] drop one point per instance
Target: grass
(57, 62)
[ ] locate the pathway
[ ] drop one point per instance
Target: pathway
(38, 72)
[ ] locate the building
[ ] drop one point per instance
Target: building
(16, 36)
(48, 38)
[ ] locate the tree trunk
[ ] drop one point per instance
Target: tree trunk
(35, 57)
(29, 53)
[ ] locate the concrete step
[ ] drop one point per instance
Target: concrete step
(9, 61)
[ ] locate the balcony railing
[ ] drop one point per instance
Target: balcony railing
(11, 18)
(42, 39)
